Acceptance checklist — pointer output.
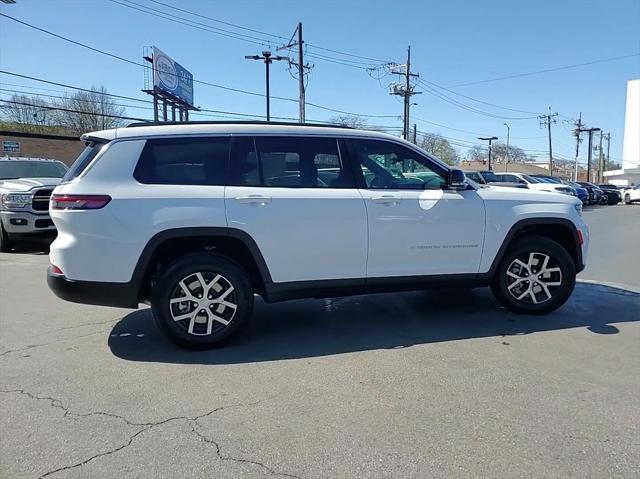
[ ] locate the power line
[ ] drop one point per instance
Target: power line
(236, 90)
(216, 20)
(466, 107)
(547, 70)
(377, 60)
(75, 111)
(226, 33)
(480, 101)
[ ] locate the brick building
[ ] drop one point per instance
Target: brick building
(39, 145)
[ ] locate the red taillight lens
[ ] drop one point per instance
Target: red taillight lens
(79, 202)
(580, 238)
(56, 270)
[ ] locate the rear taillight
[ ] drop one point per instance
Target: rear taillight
(79, 202)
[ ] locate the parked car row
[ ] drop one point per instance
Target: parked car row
(588, 193)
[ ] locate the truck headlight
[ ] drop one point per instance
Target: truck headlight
(578, 207)
(16, 200)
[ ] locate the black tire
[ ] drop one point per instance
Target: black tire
(558, 258)
(5, 242)
(627, 199)
(210, 266)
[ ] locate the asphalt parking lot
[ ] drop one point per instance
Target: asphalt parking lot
(423, 384)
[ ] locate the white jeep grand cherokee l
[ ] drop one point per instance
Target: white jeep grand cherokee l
(197, 218)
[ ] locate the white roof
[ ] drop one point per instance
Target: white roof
(232, 128)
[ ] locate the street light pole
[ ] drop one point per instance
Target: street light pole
(268, 59)
(506, 168)
(489, 139)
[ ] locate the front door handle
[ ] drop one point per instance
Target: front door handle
(390, 200)
(259, 200)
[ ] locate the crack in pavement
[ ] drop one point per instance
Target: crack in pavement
(146, 426)
(235, 459)
(59, 340)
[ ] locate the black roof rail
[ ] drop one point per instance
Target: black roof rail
(238, 122)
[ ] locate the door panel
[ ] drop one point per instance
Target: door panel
(424, 232)
(416, 225)
(308, 229)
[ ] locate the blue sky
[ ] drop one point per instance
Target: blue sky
(453, 42)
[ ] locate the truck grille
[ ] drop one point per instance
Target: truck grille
(41, 200)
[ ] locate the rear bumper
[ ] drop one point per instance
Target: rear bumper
(119, 295)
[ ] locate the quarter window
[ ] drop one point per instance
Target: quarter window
(184, 161)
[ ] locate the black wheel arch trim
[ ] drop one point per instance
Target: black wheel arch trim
(197, 232)
(519, 225)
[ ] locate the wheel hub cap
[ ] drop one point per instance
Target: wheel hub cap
(533, 278)
(203, 303)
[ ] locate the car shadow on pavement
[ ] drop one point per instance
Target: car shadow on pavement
(320, 327)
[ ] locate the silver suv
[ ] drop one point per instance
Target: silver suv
(25, 188)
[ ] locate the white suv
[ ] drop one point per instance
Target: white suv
(197, 218)
(536, 183)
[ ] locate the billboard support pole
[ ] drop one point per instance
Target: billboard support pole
(155, 108)
(164, 110)
(173, 113)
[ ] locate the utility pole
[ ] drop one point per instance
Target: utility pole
(600, 160)
(489, 139)
(546, 121)
(406, 91)
(268, 59)
(608, 160)
(300, 66)
(506, 167)
(415, 134)
(577, 132)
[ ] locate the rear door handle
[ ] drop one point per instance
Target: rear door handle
(390, 200)
(259, 200)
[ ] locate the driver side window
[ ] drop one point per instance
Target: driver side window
(387, 165)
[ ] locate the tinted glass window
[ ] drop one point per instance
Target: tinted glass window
(31, 169)
(294, 162)
(389, 165)
(83, 160)
(184, 161)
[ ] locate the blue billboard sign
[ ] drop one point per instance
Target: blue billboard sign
(171, 77)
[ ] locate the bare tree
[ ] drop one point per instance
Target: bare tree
(353, 121)
(89, 111)
(439, 146)
(498, 153)
(28, 113)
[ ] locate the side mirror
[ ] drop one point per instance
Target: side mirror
(457, 180)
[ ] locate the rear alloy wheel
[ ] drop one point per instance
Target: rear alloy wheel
(627, 199)
(536, 276)
(202, 300)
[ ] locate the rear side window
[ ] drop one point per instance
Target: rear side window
(289, 162)
(81, 163)
(184, 161)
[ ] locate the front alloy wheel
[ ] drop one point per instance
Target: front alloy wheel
(533, 278)
(536, 276)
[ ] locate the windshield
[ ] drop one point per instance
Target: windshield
(489, 176)
(531, 179)
(31, 169)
